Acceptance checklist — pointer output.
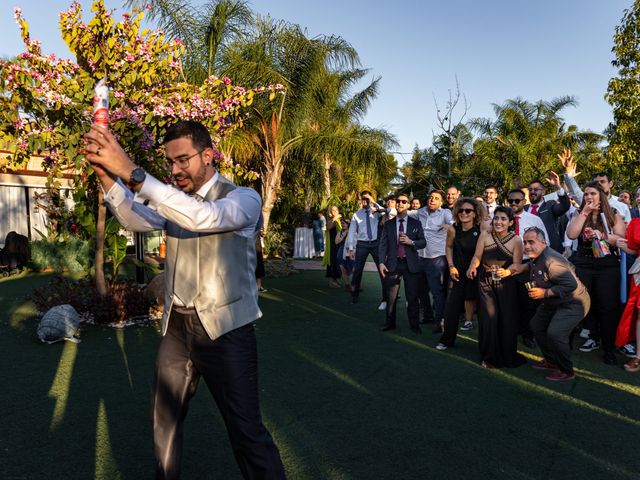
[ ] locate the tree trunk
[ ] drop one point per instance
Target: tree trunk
(271, 180)
(101, 284)
(326, 178)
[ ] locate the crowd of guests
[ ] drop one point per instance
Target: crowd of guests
(552, 268)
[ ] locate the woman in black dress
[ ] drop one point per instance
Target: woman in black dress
(598, 227)
(500, 253)
(462, 238)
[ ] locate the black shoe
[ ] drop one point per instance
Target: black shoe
(386, 328)
(416, 329)
(609, 358)
(529, 342)
(354, 300)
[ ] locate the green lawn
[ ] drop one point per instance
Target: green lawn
(342, 399)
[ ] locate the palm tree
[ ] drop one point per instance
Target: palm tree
(523, 141)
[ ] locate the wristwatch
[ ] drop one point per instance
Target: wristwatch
(136, 177)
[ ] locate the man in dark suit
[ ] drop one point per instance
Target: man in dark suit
(564, 302)
(400, 239)
(549, 211)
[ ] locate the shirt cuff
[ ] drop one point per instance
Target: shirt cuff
(152, 192)
(560, 192)
(116, 194)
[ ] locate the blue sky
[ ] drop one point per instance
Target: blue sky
(498, 49)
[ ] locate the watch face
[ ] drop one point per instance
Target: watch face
(138, 175)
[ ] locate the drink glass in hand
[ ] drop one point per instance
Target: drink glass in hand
(494, 273)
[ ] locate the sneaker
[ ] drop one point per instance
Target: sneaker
(560, 376)
(382, 306)
(629, 350)
(584, 333)
(468, 325)
(441, 346)
(590, 345)
(545, 365)
(632, 365)
(262, 289)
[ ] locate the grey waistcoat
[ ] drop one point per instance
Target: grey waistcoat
(227, 296)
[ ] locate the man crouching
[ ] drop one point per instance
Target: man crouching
(564, 303)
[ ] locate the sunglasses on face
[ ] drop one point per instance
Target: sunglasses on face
(402, 201)
(515, 200)
(466, 210)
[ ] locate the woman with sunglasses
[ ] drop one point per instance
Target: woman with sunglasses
(598, 227)
(462, 238)
(499, 254)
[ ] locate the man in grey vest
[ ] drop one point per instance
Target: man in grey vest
(211, 298)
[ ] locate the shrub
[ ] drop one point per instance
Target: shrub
(124, 300)
(72, 255)
(277, 241)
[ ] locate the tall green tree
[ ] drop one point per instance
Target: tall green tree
(623, 94)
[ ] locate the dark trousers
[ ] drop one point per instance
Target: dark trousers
(526, 306)
(229, 367)
(424, 298)
(363, 250)
(455, 307)
(411, 285)
(436, 271)
(552, 327)
(603, 285)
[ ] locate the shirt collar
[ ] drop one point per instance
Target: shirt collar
(204, 189)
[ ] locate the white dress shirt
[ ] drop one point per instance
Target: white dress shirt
(490, 208)
(435, 226)
(358, 226)
(156, 203)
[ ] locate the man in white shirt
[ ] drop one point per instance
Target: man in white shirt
(435, 222)
(452, 195)
(524, 221)
(210, 290)
(362, 240)
(490, 199)
(549, 211)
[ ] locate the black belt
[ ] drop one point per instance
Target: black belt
(402, 259)
(367, 241)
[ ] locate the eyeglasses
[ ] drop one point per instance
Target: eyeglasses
(466, 210)
(182, 162)
(402, 201)
(515, 200)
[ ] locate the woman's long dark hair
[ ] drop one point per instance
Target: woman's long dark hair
(605, 208)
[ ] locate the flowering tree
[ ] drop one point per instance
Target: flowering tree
(46, 102)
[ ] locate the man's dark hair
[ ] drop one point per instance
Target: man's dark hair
(517, 190)
(392, 197)
(402, 195)
(365, 192)
(439, 192)
(197, 132)
(601, 174)
(492, 187)
(536, 180)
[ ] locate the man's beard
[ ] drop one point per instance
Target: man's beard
(196, 181)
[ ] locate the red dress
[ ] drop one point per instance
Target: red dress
(627, 326)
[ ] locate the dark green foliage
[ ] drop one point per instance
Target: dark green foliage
(71, 255)
(125, 299)
(623, 93)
